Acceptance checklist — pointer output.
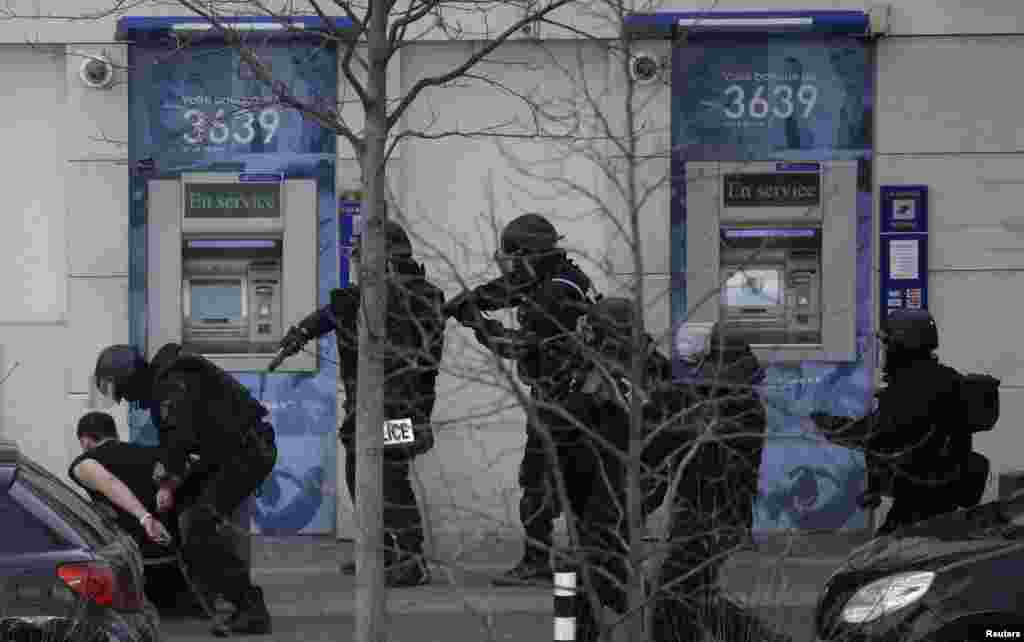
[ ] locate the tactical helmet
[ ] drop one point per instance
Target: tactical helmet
(910, 331)
(117, 371)
(529, 234)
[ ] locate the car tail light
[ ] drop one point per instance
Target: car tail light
(99, 584)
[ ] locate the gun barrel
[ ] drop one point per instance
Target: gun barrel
(276, 361)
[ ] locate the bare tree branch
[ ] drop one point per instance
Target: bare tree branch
(472, 61)
(398, 27)
(328, 121)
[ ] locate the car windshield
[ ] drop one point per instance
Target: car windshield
(68, 504)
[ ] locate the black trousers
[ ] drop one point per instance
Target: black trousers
(211, 543)
(539, 504)
(595, 489)
(403, 524)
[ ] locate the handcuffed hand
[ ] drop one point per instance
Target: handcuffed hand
(155, 530)
(164, 500)
(461, 308)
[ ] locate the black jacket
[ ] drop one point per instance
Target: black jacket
(198, 408)
(547, 310)
(600, 392)
(720, 481)
(413, 350)
(916, 433)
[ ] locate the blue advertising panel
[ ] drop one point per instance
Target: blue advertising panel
(903, 252)
(798, 100)
(200, 108)
(774, 97)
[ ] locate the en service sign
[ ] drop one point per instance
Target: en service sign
(783, 189)
(232, 200)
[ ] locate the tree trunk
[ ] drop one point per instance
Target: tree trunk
(370, 589)
(634, 489)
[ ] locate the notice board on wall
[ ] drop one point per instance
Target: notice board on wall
(903, 247)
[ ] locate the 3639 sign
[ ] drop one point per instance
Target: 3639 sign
(226, 126)
(759, 102)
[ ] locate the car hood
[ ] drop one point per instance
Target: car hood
(887, 555)
(948, 539)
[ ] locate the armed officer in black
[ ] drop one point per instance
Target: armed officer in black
(709, 453)
(550, 293)
(414, 347)
(198, 409)
(600, 398)
(915, 443)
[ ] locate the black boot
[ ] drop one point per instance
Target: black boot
(538, 517)
(412, 571)
(250, 618)
(397, 576)
(534, 568)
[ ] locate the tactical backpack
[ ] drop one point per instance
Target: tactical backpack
(979, 394)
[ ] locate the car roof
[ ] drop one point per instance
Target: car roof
(10, 458)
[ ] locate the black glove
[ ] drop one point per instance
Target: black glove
(462, 308)
(293, 340)
(488, 330)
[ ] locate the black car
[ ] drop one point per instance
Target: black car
(67, 573)
(951, 578)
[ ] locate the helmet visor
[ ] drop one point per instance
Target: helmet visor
(102, 394)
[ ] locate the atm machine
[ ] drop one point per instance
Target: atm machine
(231, 259)
(771, 254)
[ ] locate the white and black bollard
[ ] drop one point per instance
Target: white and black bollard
(565, 607)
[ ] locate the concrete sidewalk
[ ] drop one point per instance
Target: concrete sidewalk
(300, 576)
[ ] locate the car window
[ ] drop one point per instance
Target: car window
(68, 504)
(23, 531)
